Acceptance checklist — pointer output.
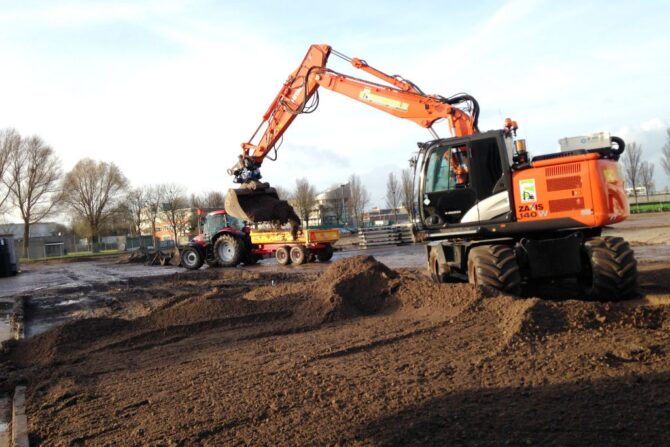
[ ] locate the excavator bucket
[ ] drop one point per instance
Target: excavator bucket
(259, 205)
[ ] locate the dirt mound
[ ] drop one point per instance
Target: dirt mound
(46, 348)
(351, 286)
(418, 292)
(535, 319)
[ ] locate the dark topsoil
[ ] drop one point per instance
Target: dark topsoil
(360, 355)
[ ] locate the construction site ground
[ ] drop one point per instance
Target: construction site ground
(357, 351)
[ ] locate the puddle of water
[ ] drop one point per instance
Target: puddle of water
(36, 328)
(5, 330)
(69, 302)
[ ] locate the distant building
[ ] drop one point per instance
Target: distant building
(186, 228)
(641, 191)
(332, 207)
(385, 216)
(46, 239)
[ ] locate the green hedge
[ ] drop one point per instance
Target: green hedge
(653, 207)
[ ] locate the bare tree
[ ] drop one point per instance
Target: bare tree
(214, 200)
(154, 201)
(10, 140)
(175, 209)
(283, 193)
(338, 197)
(211, 200)
(304, 199)
(136, 201)
(407, 189)
(33, 179)
(647, 177)
(632, 162)
(359, 198)
(665, 155)
(196, 201)
(94, 190)
(393, 194)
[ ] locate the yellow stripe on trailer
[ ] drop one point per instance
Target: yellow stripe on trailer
(305, 237)
(323, 236)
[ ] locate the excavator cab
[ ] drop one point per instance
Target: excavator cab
(464, 181)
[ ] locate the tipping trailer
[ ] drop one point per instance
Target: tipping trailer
(227, 241)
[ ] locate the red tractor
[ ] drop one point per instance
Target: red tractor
(227, 241)
(224, 242)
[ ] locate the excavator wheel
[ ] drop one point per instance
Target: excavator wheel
(191, 259)
(434, 269)
(299, 254)
(326, 254)
(228, 250)
(611, 272)
(494, 266)
(283, 255)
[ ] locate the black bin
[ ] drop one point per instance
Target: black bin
(5, 266)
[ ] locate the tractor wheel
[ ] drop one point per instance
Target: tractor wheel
(434, 270)
(299, 254)
(611, 271)
(326, 254)
(494, 266)
(283, 255)
(228, 250)
(191, 259)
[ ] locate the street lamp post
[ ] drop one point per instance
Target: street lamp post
(343, 208)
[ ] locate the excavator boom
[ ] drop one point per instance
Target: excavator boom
(299, 94)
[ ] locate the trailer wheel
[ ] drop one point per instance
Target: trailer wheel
(494, 266)
(326, 254)
(228, 250)
(611, 270)
(191, 259)
(283, 255)
(299, 254)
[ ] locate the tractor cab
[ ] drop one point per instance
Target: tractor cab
(216, 221)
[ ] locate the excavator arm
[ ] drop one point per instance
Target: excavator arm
(255, 201)
(401, 98)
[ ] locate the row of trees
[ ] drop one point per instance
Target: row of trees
(98, 196)
(640, 172)
(94, 193)
(304, 199)
(400, 192)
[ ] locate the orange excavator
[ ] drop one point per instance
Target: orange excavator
(489, 212)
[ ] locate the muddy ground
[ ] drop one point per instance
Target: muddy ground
(353, 353)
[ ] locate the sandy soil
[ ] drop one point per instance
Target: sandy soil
(357, 355)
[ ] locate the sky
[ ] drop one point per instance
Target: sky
(168, 90)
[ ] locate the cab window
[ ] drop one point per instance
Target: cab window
(441, 169)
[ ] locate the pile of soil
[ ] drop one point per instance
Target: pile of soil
(359, 355)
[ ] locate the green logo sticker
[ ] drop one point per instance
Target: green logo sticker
(527, 190)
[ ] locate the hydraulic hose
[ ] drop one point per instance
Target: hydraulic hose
(620, 146)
